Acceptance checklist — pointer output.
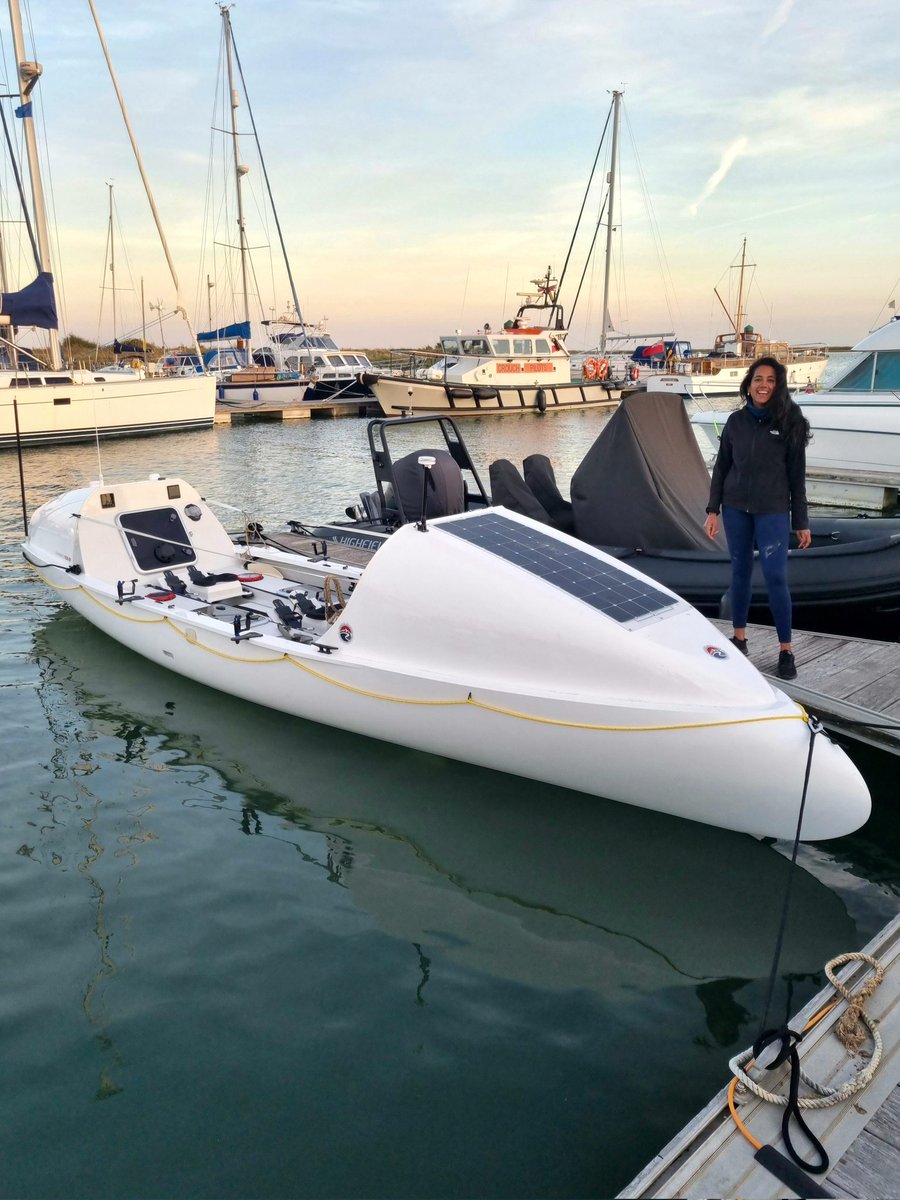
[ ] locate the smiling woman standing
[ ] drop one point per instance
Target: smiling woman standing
(759, 482)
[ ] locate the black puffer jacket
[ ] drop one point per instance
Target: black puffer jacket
(758, 470)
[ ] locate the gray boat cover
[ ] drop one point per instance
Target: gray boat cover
(510, 490)
(541, 479)
(445, 492)
(643, 483)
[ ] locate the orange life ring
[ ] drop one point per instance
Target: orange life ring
(602, 368)
(635, 373)
(589, 368)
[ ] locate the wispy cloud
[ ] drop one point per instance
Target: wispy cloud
(777, 19)
(729, 157)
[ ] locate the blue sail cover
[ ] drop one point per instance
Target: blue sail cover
(239, 330)
(34, 305)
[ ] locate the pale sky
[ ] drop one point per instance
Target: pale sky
(429, 157)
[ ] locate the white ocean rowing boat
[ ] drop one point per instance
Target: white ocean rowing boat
(590, 676)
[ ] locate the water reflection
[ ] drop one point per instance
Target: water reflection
(513, 879)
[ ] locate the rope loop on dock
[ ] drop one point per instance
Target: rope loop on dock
(850, 1032)
(851, 1028)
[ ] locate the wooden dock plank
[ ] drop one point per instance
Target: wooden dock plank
(710, 1157)
(851, 684)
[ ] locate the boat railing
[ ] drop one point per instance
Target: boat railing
(406, 362)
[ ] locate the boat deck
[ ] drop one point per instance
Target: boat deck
(710, 1157)
(301, 543)
(851, 684)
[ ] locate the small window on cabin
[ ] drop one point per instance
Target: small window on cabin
(61, 400)
(542, 346)
(887, 371)
(501, 345)
(522, 345)
(336, 361)
(450, 345)
(858, 378)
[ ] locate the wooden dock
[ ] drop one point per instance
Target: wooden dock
(710, 1157)
(851, 684)
(317, 410)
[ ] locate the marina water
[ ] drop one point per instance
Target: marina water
(248, 955)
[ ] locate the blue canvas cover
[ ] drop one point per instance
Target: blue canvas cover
(241, 329)
(33, 305)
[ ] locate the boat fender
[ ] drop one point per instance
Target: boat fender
(635, 373)
(602, 368)
(540, 400)
(589, 368)
(136, 364)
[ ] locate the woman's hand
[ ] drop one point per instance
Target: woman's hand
(804, 538)
(711, 524)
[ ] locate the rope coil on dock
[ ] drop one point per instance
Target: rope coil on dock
(850, 1032)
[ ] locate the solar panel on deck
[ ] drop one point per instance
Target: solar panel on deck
(596, 582)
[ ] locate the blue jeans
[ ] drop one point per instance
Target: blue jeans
(771, 533)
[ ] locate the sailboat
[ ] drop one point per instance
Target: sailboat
(247, 373)
(45, 402)
(720, 372)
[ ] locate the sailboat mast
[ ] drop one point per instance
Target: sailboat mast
(146, 182)
(740, 303)
(239, 169)
(617, 101)
(29, 73)
(112, 263)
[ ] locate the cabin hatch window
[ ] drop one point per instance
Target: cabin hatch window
(157, 539)
(887, 371)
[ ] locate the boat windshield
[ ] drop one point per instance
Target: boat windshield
(859, 377)
(887, 371)
(466, 345)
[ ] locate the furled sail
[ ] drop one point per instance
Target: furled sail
(33, 305)
(241, 329)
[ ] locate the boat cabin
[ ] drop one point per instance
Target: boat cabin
(876, 363)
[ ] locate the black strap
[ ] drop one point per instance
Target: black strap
(788, 1054)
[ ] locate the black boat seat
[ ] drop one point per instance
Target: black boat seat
(541, 480)
(510, 490)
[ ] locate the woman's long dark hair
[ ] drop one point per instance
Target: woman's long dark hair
(786, 415)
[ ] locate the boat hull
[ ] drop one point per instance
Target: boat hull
(702, 379)
(403, 394)
(273, 391)
(859, 575)
(847, 435)
(660, 759)
(66, 412)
